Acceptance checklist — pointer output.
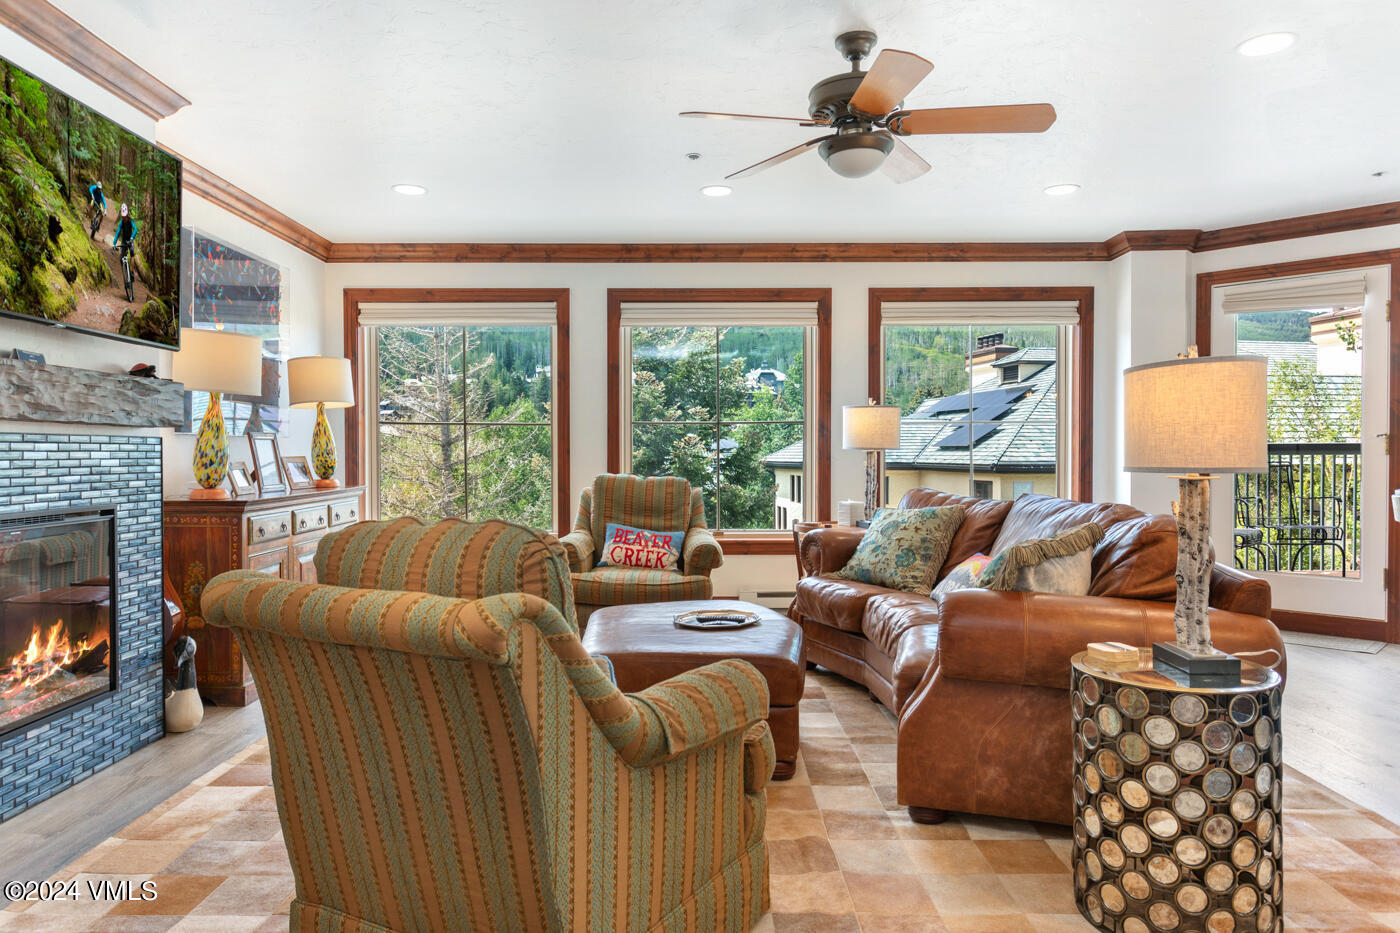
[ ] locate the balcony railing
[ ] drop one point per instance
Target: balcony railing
(1304, 514)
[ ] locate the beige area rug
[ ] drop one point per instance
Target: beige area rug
(845, 857)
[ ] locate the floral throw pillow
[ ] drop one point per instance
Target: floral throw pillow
(903, 549)
(1059, 564)
(963, 576)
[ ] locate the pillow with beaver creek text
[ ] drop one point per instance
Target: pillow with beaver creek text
(625, 546)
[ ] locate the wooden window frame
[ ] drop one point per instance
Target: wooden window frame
(1344, 626)
(746, 542)
(356, 435)
(1081, 402)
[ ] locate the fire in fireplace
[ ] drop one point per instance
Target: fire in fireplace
(57, 632)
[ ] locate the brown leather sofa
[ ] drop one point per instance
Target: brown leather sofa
(980, 679)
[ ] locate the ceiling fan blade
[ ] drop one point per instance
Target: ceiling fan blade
(1013, 118)
(780, 157)
(893, 75)
(711, 115)
(903, 164)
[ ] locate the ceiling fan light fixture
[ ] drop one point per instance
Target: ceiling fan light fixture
(1268, 43)
(856, 155)
(716, 191)
(1059, 191)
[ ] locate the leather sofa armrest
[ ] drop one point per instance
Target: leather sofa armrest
(1239, 591)
(1029, 638)
(826, 550)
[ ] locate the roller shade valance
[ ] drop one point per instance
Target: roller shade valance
(1333, 290)
(980, 313)
(464, 314)
(702, 314)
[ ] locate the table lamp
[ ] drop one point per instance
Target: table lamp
(1195, 417)
(320, 382)
(214, 361)
(874, 429)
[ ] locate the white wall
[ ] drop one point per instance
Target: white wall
(67, 348)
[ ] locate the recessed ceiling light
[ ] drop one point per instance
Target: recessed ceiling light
(411, 189)
(717, 191)
(1267, 44)
(1059, 191)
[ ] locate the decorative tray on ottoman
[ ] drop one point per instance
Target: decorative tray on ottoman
(716, 619)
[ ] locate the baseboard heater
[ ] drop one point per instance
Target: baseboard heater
(773, 599)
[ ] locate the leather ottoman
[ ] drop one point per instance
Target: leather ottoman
(645, 648)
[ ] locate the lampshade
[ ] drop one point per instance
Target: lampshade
(218, 361)
(869, 427)
(320, 379)
(1197, 415)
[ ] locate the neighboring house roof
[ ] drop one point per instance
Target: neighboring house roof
(1275, 350)
(1028, 355)
(1021, 439)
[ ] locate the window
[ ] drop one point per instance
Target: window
(722, 393)
(464, 402)
(966, 424)
(994, 386)
(1304, 514)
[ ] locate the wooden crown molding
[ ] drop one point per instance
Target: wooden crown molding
(1352, 218)
(200, 181)
(1131, 240)
(716, 252)
(70, 42)
(1190, 240)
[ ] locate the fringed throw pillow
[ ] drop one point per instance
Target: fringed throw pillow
(1059, 564)
(903, 549)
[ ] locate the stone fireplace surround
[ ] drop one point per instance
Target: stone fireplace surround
(40, 472)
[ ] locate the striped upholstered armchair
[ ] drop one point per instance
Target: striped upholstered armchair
(447, 757)
(656, 503)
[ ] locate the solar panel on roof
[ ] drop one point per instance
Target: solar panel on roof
(958, 436)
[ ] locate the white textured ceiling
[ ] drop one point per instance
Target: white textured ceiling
(555, 120)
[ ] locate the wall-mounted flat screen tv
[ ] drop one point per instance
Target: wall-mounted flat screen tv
(89, 218)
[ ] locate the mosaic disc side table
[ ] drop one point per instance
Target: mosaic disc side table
(1178, 797)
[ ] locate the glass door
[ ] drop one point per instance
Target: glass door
(1314, 524)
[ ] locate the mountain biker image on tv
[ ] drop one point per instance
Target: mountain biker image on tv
(126, 231)
(125, 236)
(97, 202)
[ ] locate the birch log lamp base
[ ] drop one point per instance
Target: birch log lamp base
(1195, 417)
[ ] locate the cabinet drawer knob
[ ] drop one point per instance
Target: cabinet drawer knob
(284, 526)
(261, 531)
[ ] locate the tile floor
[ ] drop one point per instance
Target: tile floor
(844, 856)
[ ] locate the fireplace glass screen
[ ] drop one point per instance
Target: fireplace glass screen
(57, 635)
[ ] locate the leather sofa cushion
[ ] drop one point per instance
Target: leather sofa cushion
(838, 603)
(981, 522)
(889, 616)
(1136, 558)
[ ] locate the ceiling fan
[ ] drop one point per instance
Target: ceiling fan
(862, 108)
